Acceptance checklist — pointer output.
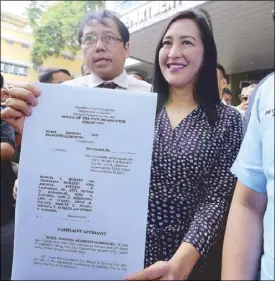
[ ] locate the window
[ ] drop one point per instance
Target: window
(6, 67)
(130, 5)
(67, 56)
(25, 71)
(14, 69)
(125, 6)
(21, 70)
(24, 46)
(11, 69)
(10, 42)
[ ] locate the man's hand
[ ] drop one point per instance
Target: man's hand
(14, 193)
(161, 270)
(21, 97)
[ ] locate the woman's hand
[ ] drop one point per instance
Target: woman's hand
(178, 267)
(161, 270)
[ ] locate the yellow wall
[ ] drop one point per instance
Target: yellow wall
(16, 53)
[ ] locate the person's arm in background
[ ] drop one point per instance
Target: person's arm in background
(7, 151)
(243, 238)
(7, 142)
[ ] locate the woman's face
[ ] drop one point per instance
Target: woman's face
(181, 55)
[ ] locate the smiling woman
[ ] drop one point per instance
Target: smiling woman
(173, 45)
(188, 40)
(196, 141)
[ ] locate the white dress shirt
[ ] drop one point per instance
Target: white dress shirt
(224, 102)
(123, 81)
(240, 110)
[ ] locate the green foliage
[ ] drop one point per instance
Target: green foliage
(55, 27)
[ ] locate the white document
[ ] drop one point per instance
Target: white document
(83, 188)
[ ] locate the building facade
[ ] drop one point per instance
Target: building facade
(16, 43)
(243, 31)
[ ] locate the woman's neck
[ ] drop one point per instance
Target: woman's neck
(181, 98)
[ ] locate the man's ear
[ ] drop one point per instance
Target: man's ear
(224, 83)
(127, 49)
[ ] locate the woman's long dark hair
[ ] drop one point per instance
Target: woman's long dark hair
(206, 90)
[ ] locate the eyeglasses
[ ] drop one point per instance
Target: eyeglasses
(91, 40)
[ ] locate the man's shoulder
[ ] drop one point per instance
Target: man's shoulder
(138, 85)
(265, 97)
(267, 84)
(268, 79)
(81, 81)
(264, 93)
(264, 87)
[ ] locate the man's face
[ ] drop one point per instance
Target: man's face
(245, 96)
(221, 82)
(227, 98)
(60, 77)
(104, 59)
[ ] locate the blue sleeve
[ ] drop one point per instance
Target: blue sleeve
(7, 133)
(248, 166)
(251, 102)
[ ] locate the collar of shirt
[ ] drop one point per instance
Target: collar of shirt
(223, 101)
(121, 80)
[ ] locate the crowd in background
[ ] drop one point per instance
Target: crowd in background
(200, 164)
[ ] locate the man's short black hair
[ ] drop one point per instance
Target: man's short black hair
(2, 81)
(227, 91)
(100, 16)
(221, 68)
(136, 73)
(46, 74)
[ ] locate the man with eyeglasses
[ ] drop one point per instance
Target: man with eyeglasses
(104, 41)
(244, 97)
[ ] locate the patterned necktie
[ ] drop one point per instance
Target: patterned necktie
(107, 85)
